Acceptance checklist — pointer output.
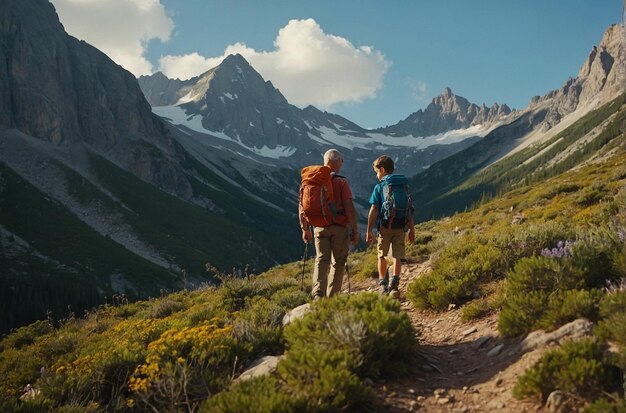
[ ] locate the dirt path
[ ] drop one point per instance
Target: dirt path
(459, 367)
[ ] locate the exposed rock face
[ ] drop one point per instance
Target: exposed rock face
(447, 112)
(233, 98)
(64, 91)
(602, 75)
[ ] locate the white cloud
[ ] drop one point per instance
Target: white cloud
(307, 65)
(120, 28)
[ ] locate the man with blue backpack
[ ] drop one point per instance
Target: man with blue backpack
(392, 211)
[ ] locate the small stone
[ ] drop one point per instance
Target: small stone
(483, 340)
(454, 351)
(495, 351)
(411, 391)
(421, 398)
(469, 331)
(498, 381)
(451, 307)
(443, 400)
(555, 401)
(439, 392)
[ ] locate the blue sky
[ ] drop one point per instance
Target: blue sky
(370, 61)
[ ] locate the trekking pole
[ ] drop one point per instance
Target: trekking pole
(304, 257)
(348, 274)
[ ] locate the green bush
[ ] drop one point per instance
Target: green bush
(578, 367)
(457, 273)
(322, 379)
(566, 306)
(26, 335)
(521, 312)
(289, 298)
(371, 328)
(258, 394)
(260, 325)
(605, 406)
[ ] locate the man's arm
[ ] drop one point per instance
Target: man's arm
(411, 229)
(372, 216)
(304, 225)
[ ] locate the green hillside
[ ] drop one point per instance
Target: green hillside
(59, 264)
(547, 252)
(456, 183)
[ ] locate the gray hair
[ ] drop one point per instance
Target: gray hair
(332, 155)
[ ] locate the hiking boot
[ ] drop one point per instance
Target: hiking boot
(383, 287)
(395, 283)
(393, 288)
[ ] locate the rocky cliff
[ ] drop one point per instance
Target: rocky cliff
(447, 112)
(601, 77)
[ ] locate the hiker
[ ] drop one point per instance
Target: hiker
(392, 212)
(332, 239)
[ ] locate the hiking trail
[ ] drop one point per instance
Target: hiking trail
(458, 367)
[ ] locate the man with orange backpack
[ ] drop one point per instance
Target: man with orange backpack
(325, 203)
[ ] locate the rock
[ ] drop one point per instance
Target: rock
(539, 339)
(439, 392)
(296, 313)
(260, 367)
(444, 400)
(555, 401)
(495, 351)
(469, 331)
(483, 340)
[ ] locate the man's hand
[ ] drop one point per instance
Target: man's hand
(306, 235)
(411, 234)
(354, 238)
(369, 237)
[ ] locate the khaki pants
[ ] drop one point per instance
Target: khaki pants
(330, 242)
(390, 239)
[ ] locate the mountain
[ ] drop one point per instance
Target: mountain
(98, 198)
(447, 112)
(231, 106)
(560, 130)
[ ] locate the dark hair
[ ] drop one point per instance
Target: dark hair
(384, 162)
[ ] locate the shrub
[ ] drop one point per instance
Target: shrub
(369, 327)
(26, 335)
(258, 394)
(521, 312)
(164, 307)
(605, 406)
(457, 273)
(259, 325)
(289, 298)
(591, 194)
(184, 366)
(566, 306)
(536, 295)
(322, 379)
(578, 367)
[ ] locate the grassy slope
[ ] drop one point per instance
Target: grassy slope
(456, 183)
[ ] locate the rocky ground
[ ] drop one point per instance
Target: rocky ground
(458, 367)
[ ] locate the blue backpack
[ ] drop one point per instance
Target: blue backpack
(397, 205)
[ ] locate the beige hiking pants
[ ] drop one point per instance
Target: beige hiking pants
(331, 246)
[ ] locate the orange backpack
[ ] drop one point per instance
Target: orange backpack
(317, 201)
